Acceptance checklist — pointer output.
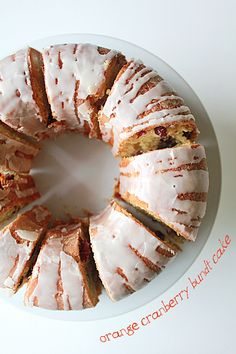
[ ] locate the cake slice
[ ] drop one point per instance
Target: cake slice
(143, 113)
(16, 150)
(127, 254)
(23, 100)
(16, 191)
(170, 185)
(64, 276)
(77, 78)
(19, 243)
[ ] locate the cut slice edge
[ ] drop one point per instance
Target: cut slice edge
(35, 63)
(34, 220)
(76, 246)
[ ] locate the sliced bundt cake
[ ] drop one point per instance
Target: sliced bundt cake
(64, 276)
(143, 113)
(127, 254)
(77, 78)
(171, 185)
(16, 150)
(16, 191)
(23, 100)
(19, 243)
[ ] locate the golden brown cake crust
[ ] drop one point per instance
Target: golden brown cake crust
(35, 62)
(16, 191)
(16, 150)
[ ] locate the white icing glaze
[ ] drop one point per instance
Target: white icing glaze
(124, 114)
(149, 178)
(72, 282)
(71, 66)
(45, 272)
(111, 234)
(9, 251)
(17, 106)
(15, 255)
(27, 235)
(52, 265)
(9, 283)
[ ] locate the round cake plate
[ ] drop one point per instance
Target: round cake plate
(75, 175)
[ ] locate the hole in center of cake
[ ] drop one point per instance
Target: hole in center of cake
(75, 175)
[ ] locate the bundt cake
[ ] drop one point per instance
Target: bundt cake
(163, 173)
(143, 113)
(127, 254)
(16, 150)
(19, 242)
(16, 191)
(23, 100)
(170, 185)
(77, 77)
(64, 276)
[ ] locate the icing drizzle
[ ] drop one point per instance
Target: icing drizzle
(17, 106)
(73, 74)
(132, 104)
(17, 243)
(127, 254)
(56, 282)
(171, 184)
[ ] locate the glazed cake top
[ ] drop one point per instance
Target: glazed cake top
(139, 99)
(57, 282)
(170, 184)
(127, 254)
(17, 106)
(17, 242)
(73, 73)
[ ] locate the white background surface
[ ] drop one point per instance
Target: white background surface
(197, 38)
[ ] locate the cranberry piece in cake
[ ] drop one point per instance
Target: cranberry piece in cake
(161, 131)
(141, 133)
